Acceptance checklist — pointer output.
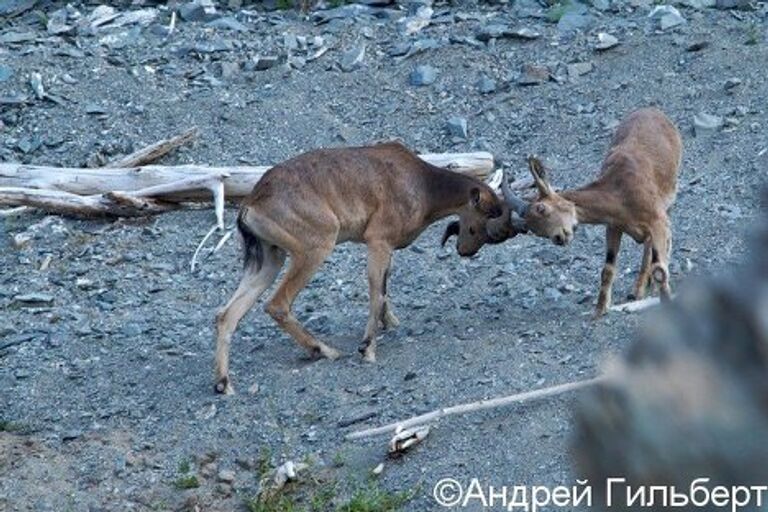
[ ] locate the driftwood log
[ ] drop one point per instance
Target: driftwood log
(689, 400)
(238, 180)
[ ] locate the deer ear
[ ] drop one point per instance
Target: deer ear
(474, 197)
(539, 176)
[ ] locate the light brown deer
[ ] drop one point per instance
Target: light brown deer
(636, 186)
(383, 196)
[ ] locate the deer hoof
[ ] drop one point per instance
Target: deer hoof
(391, 321)
(224, 387)
(369, 355)
(329, 353)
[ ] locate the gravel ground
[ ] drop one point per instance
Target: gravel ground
(106, 370)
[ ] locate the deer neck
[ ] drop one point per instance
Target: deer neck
(447, 192)
(593, 205)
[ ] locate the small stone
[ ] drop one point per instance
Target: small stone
(290, 41)
(84, 283)
(706, 124)
(732, 83)
(732, 4)
(229, 69)
(36, 83)
(524, 33)
(697, 46)
(208, 469)
(227, 23)
(264, 62)
(573, 21)
(352, 59)
(226, 476)
(71, 435)
(579, 68)
(29, 144)
(498, 31)
(533, 75)
(357, 417)
(193, 11)
(5, 73)
(492, 31)
(605, 41)
(34, 299)
(94, 109)
(57, 22)
(423, 75)
(667, 16)
(486, 85)
(457, 127)
(21, 374)
(21, 240)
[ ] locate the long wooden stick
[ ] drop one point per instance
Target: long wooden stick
(475, 406)
(155, 151)
(110, 204)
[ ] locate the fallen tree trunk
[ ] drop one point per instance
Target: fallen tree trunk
(238, 180)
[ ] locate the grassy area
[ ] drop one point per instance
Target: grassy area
(324, 498)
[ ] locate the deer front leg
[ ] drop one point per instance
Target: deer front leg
(612, 243)
(379, 257)
(303, 266)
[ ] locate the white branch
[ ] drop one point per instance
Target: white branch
(474, 406)
(637, 305)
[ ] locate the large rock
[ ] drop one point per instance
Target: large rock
(689, 400)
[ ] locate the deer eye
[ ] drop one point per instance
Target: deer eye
(471, 231)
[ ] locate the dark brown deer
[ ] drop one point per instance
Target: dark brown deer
(635, 188)
(383, 196)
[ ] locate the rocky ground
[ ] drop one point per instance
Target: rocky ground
(106, 337)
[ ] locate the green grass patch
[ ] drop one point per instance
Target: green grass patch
(375, 499)
(557, 11)
(186, 482)
(10, 426)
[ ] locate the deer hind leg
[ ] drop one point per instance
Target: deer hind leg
(302, 268)
(612, 243)
(389, 320)
(644, 276)
(252, 285)
(379, 259)
(661, 245)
